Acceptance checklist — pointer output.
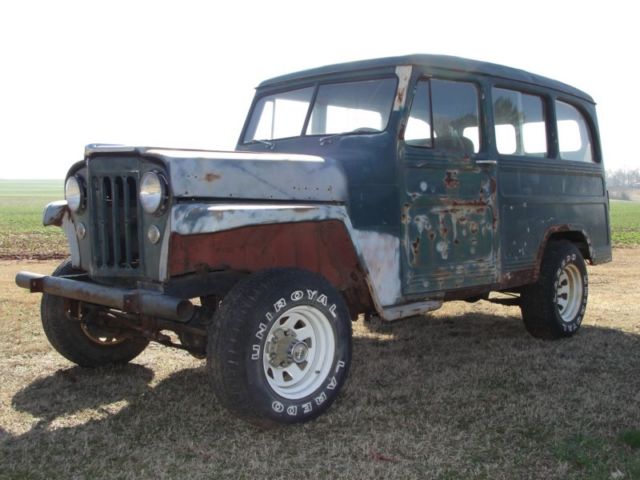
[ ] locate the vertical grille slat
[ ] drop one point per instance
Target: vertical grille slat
(95, 222)
(107, 199)
(127, 221)
(116, 242)
(102, 223)
(132, 196)
(116, 215)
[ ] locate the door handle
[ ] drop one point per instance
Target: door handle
(486, 162)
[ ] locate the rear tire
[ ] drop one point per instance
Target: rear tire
(279, 348)
(554, 306)
(79, 341)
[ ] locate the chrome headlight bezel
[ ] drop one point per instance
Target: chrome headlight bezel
(75, 193)
(153, 192)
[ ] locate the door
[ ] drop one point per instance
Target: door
(449, 209)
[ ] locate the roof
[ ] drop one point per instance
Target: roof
(447, 62)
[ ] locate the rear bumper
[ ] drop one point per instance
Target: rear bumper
(128, 300)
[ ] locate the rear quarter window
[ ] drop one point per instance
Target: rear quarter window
(574, 135)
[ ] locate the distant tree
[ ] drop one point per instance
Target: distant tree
(623, 178)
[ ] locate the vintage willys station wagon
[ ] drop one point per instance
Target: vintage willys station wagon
(382, 187)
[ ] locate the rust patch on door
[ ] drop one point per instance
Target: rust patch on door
(451, 179)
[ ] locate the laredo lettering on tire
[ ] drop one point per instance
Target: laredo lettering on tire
(554, 306)
(279, 347)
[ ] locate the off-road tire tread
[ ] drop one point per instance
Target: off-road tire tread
(538, 311)
(226, 363)
(69, 340)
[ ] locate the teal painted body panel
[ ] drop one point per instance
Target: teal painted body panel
(538, 198)
(449, 228)
(466, 222)
(443, 62)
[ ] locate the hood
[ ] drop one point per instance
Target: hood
(244, 175)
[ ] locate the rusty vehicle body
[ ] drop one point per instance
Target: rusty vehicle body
(459, 181)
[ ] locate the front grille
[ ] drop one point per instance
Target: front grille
(116, 238)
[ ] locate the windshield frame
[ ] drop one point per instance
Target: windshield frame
(316, 87)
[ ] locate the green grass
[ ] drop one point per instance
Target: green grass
(597, 457)
(22, 234)
(22, 203)
(625, 223)
(631, 438)
(21, 231)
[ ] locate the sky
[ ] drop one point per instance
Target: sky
(182, 74)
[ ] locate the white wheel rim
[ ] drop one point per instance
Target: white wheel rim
(569, 292)
(303, 332)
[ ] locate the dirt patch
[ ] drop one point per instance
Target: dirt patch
(33, 246)
(33, 256)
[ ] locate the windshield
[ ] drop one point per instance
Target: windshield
(361, 106)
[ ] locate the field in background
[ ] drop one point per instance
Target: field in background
(625, 222)
(22, 235)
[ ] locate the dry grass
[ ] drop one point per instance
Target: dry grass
(463, 393)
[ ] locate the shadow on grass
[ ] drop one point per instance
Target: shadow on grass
(475, 379)
(76, 389)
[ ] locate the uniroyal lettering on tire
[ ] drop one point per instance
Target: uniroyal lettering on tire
(555, 305)
(280, 347)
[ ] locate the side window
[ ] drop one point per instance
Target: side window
(519, 123)
(418, 131)
(574, 137)
(445, 116)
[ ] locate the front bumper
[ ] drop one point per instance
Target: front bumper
(138, 301)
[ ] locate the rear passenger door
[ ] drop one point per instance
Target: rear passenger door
(550, 178)
(448, 200)
(526, 172)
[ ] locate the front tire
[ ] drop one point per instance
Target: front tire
(279, 348)
(554, 306)
(79, 341)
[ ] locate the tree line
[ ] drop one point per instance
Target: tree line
(623, 179)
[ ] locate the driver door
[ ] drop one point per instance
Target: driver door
(449, 214)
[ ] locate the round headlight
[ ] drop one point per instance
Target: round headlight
(73, 193)
(152, 192)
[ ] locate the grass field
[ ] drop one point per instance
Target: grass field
(625, 222)
(23, 236)
(463, 393)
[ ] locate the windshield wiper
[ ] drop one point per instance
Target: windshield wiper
(328, 138)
